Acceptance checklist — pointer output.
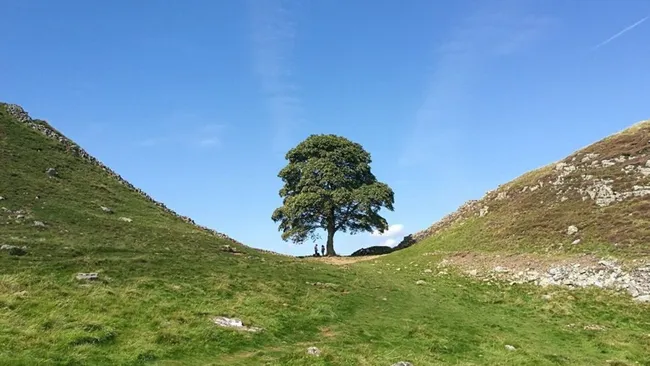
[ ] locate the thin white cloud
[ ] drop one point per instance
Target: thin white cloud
(393, 230)
(274, 34)
(494, 29)
(389, 242)
(208, 135)
(153, 141)
(209, 142)
(627, 29)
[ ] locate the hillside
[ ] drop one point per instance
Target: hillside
(596, 199)
(583, 221)
(95, 272)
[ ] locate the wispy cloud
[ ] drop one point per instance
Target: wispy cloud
(393, 230)
(491, 30)
(627, 29)
(187, 131)
(152, 141)
(389, 242)
(274, 35)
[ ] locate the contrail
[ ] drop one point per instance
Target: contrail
(621, 33)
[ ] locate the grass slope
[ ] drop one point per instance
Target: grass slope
(162, 279)
(532, 213)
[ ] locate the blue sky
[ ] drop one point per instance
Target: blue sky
(196, 102)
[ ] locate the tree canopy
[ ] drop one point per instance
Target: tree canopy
(328, 185)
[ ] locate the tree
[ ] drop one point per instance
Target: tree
(328, 185)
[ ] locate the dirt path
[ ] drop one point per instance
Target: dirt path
(339, 261)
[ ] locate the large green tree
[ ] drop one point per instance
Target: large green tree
(328, 185)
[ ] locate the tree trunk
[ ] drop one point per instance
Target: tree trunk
(330, 242)
(331, 229)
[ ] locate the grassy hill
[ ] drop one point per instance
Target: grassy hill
(603, 190)
(162, 280)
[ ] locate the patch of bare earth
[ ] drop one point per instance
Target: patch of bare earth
(327, 332)
(339, 261)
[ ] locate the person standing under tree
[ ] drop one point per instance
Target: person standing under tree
(322, 249)
(316, 250)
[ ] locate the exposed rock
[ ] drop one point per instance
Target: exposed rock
(607, 163)
(51, 172)
(374, 250)
(126, 219)
(589, 156)
(314, 351)
(87, 276)
(643, 298)
(402, 363)
(593, 327)
(420, 282)
(606, 274)
(510, 348)
(628, 169)
(14, 250)
(502, 196)
(571, 230)
(9, 247)
(644, 171)
(427, 270)
(406, 242)
(484, 211)
(229, 249)
(1, 198)
(234, 323)
(106, 209)
(602, 192)
(39, 223)
(577, 241)
(323, 284)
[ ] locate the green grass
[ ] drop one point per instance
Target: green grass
(162, 280)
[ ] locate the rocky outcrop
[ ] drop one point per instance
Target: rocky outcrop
(406, 242)
(604, 273)
(376, 250)
(235, 323)
(19, 114)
